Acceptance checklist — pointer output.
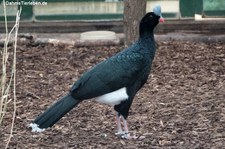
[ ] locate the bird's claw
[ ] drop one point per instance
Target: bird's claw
(120, 133)
(128, 136)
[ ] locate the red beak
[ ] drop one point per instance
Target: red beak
(161, 20)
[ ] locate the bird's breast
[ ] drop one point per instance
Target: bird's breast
(113, 98)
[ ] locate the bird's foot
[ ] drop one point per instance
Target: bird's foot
(128, 136)
(120, 133)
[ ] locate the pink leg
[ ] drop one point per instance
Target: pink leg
(127, 134)
(125, 126)
(119, 128)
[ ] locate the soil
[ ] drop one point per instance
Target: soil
(181, 105)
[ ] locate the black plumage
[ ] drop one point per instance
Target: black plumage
(123, 74)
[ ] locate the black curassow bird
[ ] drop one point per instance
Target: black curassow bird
(114, 81)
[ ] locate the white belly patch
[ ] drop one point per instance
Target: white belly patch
(113, 98)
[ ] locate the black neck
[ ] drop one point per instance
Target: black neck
(147, 40)
(145, 30)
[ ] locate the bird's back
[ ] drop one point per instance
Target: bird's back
(118, 71)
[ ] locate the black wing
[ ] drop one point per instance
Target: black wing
(116, 72)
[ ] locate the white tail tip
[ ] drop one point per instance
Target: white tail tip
(35, 128)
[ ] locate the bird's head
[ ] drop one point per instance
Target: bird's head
(157, 11)
(151, 19)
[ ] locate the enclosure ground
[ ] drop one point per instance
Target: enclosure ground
(181, 106)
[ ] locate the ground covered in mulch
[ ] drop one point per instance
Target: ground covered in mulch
(181, 106)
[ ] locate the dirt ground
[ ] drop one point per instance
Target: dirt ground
(181, 106)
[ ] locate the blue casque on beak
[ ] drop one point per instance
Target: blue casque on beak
(157, 11)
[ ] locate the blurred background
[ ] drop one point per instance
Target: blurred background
(95, 12)
(112, 9)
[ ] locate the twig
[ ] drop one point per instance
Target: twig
(33, 94)
(4, 60)
(13, 75)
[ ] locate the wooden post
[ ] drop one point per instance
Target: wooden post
(134, 10)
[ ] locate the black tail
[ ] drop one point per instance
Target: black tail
(56, 111)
